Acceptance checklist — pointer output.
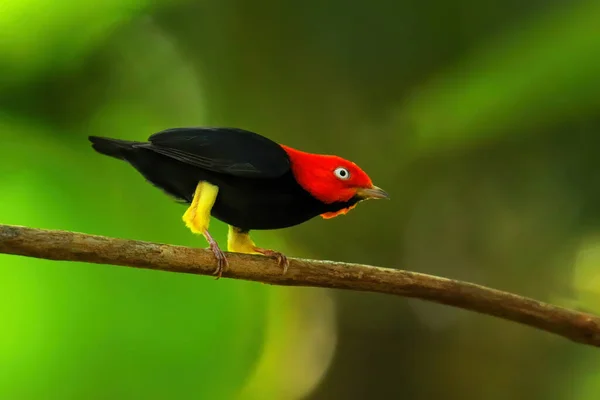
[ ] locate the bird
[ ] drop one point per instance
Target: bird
(243, 179)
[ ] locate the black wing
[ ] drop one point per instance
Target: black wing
(225, 150)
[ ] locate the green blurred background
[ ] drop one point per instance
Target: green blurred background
(480, 118)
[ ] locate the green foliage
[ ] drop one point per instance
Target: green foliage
(45, 35)
(514, 82)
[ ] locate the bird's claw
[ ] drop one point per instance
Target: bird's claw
(282, 260)
(222, 262)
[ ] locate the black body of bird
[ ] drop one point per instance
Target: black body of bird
(257, 189)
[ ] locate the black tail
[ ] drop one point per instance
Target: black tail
(112, 147)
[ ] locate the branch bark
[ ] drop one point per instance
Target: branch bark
(71, 246)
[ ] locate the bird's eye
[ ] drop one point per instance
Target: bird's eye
(342, 173)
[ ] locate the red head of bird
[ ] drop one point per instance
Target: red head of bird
(331, 178)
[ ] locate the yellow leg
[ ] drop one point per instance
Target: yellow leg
(239, 241)
(197, 219)
(197, 216)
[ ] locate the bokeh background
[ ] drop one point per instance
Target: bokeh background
(481, 119)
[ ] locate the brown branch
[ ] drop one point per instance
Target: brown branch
(71, 246)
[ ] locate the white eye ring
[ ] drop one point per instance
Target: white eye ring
(342, 173)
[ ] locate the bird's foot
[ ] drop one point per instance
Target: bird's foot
(222, 262)
(282, 260)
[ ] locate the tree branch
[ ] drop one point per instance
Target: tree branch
(71, 246)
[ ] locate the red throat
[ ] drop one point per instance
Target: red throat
(333, 214)
(315, 173)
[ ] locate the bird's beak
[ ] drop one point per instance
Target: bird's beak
(372, 193)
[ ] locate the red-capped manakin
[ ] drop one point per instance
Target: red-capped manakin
(243, 179)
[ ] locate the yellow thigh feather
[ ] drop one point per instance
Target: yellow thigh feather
(240, 242)
(197, 216)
